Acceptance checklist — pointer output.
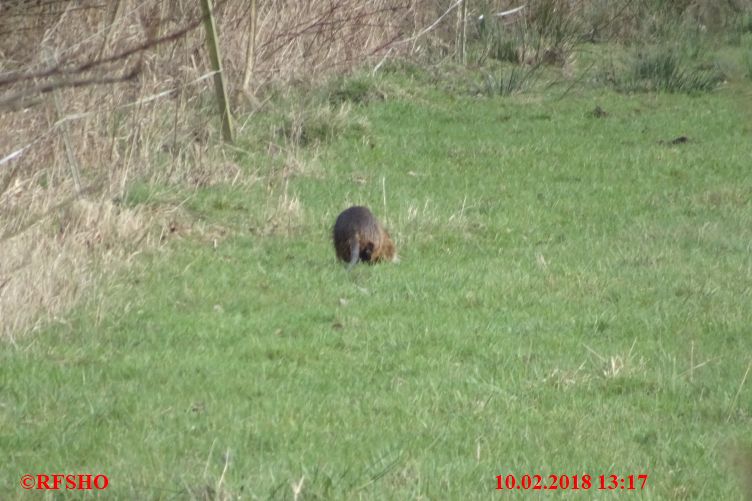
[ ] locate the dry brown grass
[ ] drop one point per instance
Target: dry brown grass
(51, 263)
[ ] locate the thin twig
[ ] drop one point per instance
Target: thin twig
(738, 392)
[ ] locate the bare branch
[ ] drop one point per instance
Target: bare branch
(21, 99)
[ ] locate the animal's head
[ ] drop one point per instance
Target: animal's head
(366, 252)
(386, 251)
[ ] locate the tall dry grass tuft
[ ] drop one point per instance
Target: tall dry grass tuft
(51, 262)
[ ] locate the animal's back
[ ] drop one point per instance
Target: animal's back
(358, 235)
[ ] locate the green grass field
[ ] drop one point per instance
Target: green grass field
(573, 297)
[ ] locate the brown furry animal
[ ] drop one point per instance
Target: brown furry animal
(358, 236)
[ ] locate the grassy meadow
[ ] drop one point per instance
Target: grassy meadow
(573, 297)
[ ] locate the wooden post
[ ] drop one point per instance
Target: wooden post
(462, 31)
(212, 43)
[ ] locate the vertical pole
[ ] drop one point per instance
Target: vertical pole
(212, 42)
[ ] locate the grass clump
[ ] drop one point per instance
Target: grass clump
(507, 81)
(664, 70)
(544, 32)
(317, 124)
(494, 41)
(747, 64)
(358, 89)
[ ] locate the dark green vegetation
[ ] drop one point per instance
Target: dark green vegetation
(573, 298)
